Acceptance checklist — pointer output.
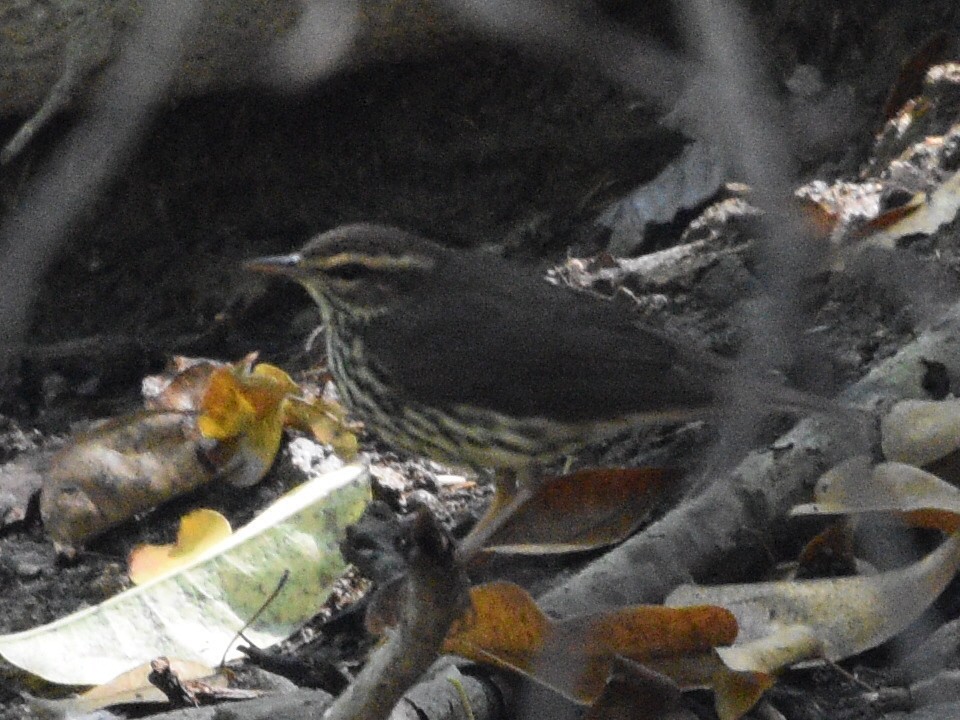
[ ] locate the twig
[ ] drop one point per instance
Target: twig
(266, 603)
(57, 100)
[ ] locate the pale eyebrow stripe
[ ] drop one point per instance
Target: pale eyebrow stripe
(378, 262)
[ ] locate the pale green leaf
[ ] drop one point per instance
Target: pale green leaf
(193, 612)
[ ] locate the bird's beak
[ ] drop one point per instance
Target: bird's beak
(287, 265)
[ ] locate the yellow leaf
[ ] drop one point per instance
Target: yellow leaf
(225, 411)
(199, 530)
(326, 421)
(243, 409)
(276, 377)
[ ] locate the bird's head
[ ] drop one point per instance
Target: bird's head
(362, 270)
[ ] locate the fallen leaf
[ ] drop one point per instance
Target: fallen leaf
(857, 486)
(194, 612)
(243, 411)
(575, 657)
(199, 530)
(326, 421)
(182, 385)
(828, 619)
(921, 432)
(121, 468)
(582, 511)
(127, 688)
(939, 208)
(228, 426)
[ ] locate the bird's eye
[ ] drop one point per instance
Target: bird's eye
(347, 271)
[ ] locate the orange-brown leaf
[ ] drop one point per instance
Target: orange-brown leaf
(504, 627)
(892, 216)
(181, 386)
(735, 693)
(828, 554)
(650, 634)
(226, 411)
(583, 510)
(575, 657)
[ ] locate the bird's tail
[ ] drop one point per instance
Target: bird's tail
(767, 394)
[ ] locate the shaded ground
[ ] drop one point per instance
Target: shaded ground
(483, 146)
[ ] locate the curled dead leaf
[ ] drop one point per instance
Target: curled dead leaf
(122, 468)
(788, 622)
(226, 424)
(856, 487)
(182, 385)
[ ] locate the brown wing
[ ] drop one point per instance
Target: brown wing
(503, 340)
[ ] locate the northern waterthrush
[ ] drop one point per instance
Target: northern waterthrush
(470, 359)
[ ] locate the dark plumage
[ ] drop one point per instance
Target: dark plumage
(510, 342)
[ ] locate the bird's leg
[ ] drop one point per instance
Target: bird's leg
(512, 490)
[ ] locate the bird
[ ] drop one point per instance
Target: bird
(471, 359)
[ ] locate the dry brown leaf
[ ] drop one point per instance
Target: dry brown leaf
(122, 468)
(830, 553)
(926, 215)
(182, 385)
(134, 687)
(889, 218)
(214, 421)
(575, 657)
(583, 511)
